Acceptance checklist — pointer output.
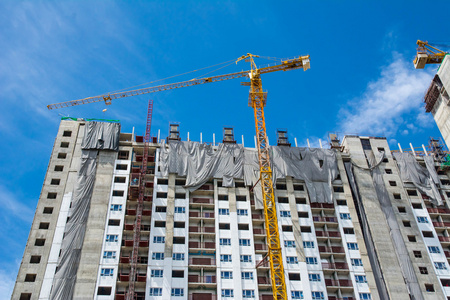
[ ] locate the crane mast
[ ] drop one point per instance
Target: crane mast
(257, 100)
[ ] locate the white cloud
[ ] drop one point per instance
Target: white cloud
(389, 103)
(7, 281)
(12, 207)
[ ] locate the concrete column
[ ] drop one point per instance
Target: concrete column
(168, 246)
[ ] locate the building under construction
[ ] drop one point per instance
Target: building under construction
(133, 217)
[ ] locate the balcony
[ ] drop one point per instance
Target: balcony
(435, 210)
(202, 245)
(207, 187)
(333, 249)
(201, 201)
(338, 283)
(202, 261)
(447, 254)
(322, 205)
(124, 259)
(146, 212)
(444, 239)
(202, 296)
(441, 224)
(130, 243)
(324, 219)
(263, 280)
(197, 214)
(337, 298)
(257, 217)
(261, 247)
(124, 277)
(198, 229)
(208, 279)
(334, 266)
(130, 212)
(259, 231)
(330, 234)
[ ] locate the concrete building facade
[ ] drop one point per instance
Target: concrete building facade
(380, 237)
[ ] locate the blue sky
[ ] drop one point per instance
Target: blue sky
(361, 80)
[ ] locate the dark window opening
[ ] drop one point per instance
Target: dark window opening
(385, 160)
(64, 145)
(429, 288)
(160, 224)
(298, 187)
(223, 197)
(161, 195)
(288, 228)
(445, 282)
(180, 196)
(67, 133)
(122, 167)
(412, 238)
(120, 179)
(113, 222)
(179, 240)
(35, 259)
(349, 231)
(303, 214)
(62, 155)
(161, 209)
(177, 274)
(427, 234)
(59, 168)
(365, 143)
(417, 254)
(401, 209)
(243, 227)
(118, 193)
(341, 202)
(397, 196)
(294, 276)
(48, 210)
(25, 296)
(338, 189)
(281, 186)
(161, 181)
(180, 182)
(380, 149)
(39, 242)
(303, 229)
(392, 183)
(55, 181)
(417, 205)
(423, 270)
(43, 225)
(241, 198)
(225, 226)
(321, 163)
(179, 224)
(123, 155)
(283, 200)
(406, 223)
(445, 182)
(104, 291)
(300, 200)
(30, 277)
(412, 192)
(388, 171)
(51, 195)
(239, 184)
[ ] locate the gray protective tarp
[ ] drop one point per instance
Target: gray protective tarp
(403, 258)
(424, 179)
(100, 135)
(200, 162)
(68, 262)
(367, 234)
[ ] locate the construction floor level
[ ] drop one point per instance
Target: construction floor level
(356, 221)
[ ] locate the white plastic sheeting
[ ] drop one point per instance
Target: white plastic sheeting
(96, 136)
(424, 179)
(200, 162)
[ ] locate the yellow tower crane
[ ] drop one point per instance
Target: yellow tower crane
(427, 54)
(257, 100)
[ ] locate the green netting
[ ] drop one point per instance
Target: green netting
(94, 119)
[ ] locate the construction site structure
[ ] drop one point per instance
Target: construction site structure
(210, 243)
(437, 100)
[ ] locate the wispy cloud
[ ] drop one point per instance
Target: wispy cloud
(391, 104)
(12, 208)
